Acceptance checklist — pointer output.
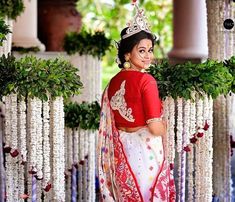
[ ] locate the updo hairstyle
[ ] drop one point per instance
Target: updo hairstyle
(126, 45)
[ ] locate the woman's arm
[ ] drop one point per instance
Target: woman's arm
(157, 128)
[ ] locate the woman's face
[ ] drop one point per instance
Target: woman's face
(141, 55)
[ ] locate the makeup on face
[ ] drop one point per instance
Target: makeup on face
(142, 54)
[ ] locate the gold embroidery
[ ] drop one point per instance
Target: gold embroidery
(118, 102)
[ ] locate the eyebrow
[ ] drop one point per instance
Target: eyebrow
(144, 47)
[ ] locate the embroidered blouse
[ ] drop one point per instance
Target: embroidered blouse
(134, 99)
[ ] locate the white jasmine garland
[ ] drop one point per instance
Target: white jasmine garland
(14, 146)
(9, 171)
(81, 169)
(75, 146)
(228, 148)
(186, 120)
(198, 161)
(58, 149)
(85, 167)
(39, 163)
(46, 146)
(210, 145)
(69, 161)
(179, 124)
(190, 161)
(22, 143)
(179, 146)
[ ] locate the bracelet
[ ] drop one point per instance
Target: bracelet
(154, 120)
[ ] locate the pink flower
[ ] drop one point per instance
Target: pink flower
(14, 153)
(206, 126)
(200, 134)
(48, 187)
(187, 149)
(24, 196)
(193, 140)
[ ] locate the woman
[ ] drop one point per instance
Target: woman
(131, 161)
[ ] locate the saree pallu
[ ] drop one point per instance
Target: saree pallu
(122, 172)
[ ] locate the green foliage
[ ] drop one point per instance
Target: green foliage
(181, 80)
(23, 50)
(86, 43)
(33, 77)
(230, 64)
(85, 115)
(11, 8)
(8, 74)
(4, 30)
(113, 16)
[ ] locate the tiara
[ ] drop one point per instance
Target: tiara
(138, 24)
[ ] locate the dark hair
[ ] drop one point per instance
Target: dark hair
(126, 45)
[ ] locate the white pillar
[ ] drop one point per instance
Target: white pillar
(25, 27)
(190, 30)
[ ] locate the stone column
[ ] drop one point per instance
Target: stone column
(25, 27)
(189, 32)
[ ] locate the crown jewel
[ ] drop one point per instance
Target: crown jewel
(138, 24)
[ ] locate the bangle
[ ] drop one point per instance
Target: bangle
(154, 120)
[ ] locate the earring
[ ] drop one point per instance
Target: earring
(126, 65)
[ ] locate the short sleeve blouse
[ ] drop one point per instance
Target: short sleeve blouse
(134, 98)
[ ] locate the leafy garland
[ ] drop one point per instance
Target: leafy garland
(86, 43)
(210, 77)
(230, 64)
(33, 77)
(85, 115)
(23, 50)
(4, 30)
(11, 8)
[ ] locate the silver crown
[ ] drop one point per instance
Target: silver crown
(138, 24)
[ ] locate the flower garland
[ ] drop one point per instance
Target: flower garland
(46, 184)
(14, 147)
(7, 147)
(39, 163)
(32, 135)
(69, 158)
(81, 170)
(190, 156)
(58, 167)
(198, 160)
(179, 145)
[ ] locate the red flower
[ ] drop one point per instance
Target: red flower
(75, 165)
(171, 166)
(187, 149)
(193, 140)
(81, 162)
(200, 134)
(7, 149)
(48, 187)
(206, 126)
(14, 153)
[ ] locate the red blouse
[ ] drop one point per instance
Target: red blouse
(134, 98)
